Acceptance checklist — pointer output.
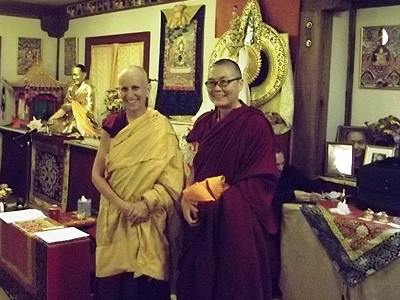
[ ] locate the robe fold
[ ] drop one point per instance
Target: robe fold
(144, 163)
(226, 255)
(79, 105)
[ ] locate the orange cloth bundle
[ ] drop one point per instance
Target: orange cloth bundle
(210, 189)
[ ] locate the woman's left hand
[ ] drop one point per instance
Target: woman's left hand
(138, 213)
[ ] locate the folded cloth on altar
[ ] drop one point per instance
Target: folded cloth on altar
(210, 189)
(341, 209)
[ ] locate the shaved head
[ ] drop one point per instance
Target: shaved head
(232, 65)
(135, 71)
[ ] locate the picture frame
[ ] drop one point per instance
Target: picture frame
(380, 47)
(339, 160)
(70, 54)
(359, 136)
(343, 132)
(374, 153)
(29, 53)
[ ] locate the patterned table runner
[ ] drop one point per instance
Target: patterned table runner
(358, 248)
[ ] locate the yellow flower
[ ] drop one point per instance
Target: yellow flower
(388, 131)
(4, 190)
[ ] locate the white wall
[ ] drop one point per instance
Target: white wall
(137, 20)
(13, 27)
(368, 104)
(337, 84)
(373, 104)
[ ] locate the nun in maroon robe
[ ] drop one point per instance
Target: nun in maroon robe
(226, 256)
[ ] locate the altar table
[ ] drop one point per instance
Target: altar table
(308, 273)
(32, 269)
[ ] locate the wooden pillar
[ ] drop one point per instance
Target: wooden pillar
(312, 90)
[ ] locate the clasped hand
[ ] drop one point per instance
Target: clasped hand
(137, 212)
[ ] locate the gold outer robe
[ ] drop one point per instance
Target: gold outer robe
(79, 107)
(144, 162)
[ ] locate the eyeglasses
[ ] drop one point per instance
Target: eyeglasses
(222, 82)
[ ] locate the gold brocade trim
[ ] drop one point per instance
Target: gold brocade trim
(64, 196)
(258, 39)
(354, 254)
(331, 223)
(36, 199)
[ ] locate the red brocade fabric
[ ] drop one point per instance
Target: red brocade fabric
(226, 255)
(357, 233)
(357, 247)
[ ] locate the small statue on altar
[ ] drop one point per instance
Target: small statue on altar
(368, 214)
(75, 117)
(382, 217)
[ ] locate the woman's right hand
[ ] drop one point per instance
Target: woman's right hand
(190, 211)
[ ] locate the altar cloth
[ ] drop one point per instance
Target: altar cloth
(358, 248)
(33, 269)
(308, 273)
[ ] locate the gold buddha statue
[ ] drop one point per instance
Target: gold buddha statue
(75, 117)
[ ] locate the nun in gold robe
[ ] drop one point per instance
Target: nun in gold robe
(138, 170)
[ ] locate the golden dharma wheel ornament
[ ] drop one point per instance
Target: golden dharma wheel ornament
(262, 48)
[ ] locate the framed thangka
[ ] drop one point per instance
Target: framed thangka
(181, 67)
(70, 54)
(380, 57)
(29, 53)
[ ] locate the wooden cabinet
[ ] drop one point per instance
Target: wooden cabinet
(43, 170)
(15, 160)
(81, 158)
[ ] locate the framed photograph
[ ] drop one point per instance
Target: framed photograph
(29, 53)
(380, 49)
(343, 133)
(358, 136)
(339, 160)
(70, 54)
(374, 153)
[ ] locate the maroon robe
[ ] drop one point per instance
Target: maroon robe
(226, 255)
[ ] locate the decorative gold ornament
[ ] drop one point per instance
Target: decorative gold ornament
(382, 217)
(179, 18)
(368, 214)
(36, 124)
(256, 40)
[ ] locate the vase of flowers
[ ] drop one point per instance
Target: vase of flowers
(112, 102)
(4, 192)
(386, 132)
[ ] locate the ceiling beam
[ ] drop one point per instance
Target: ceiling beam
(28, 10)
(53, 19)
